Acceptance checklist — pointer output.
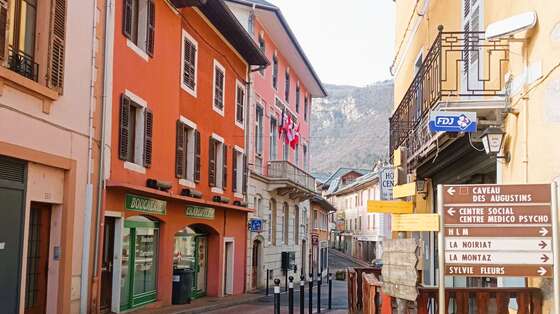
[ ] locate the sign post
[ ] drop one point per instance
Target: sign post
(441, 253)
(555, 198)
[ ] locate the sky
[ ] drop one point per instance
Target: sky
(349, 42)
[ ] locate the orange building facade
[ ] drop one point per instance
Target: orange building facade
(175, 199)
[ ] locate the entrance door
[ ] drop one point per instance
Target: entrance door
(37, 258)
(228, 268)
(201, 243)
(256, 265)
(107, 265)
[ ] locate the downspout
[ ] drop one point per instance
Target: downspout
(247, 150)
(86, 238)
(106, 106)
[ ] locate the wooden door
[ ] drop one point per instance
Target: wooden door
(37, 259)
(255, 264)
(107, 265)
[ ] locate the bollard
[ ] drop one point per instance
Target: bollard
(267, 277)
(330, 291)
(302, 294)
(291, 295)
(310, 293)
(319, 282)
(276, 296)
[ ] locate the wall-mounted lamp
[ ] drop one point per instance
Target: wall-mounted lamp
(493, 138)
(422, 188)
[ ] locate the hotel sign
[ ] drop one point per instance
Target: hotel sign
(145, 204)
(498, 230)
(200, 212)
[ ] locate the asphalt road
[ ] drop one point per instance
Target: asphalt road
(340, 262)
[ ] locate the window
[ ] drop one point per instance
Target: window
(360, 223)
(259, 130)
(187, 152)
(305, 108)
(135, 131)
(315, 219)
(273, 139)
(275, 71)
(298, 91)
(189, 61)
(239, 104)
(217, 164)
(285, 150)
(286, 222)
(262, 45)
(219, 87)
(274, 220)
(305, 158)
(251, 24)
(239, 172)
(296, 224)
(296, 155)
(287, 87)
(139, 24)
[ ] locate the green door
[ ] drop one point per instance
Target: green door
(139, 264)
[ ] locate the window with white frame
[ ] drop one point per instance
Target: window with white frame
(238, 174)
(139, 24)
(305, 108)
(217, 163)
(219, 87)
(259, 116)
(189, 59)
(287, 86)
(296, 155)
(239, 104)
(187, 152)
(285, 150)
(273, 139)
(275, 71)
(135, 131)
(298, 96)
(305, 158)
(286, 222)
(262, 45)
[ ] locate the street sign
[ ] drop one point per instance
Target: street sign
(497, 230)
(390, 207)
(255, 225)
(415, 222)
(402, 259)
(404, 190)
(454, 122)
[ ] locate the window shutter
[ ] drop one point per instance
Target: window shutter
(3, 28)
(148, 133)
(245, 174)
(151, 28)
(56, 46)
(127, 18)
(123, 127)
(224, 180)
(189, 65)
(196, 156)
(234, 172)
(180, 151)
(211, 162)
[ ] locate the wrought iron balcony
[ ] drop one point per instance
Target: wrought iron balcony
(460, 66)
(281, 170)
(21, 63)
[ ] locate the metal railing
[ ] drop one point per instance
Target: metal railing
(459, 65)
(23, 64)
(282, 169)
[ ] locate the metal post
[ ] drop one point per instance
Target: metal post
(286, 281)
(441, 255)
(276, 296)
(330, 291)
(291, 295)
(267, 284)
(302, 294)
(555, 198)
(319, 282)
(310, 293)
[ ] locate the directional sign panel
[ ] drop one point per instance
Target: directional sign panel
(414, 222)
(498, 230)
(390, 207)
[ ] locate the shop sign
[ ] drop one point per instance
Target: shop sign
(200, 212)
(498, 230)
(453, 122)
(255, 225)
(145, 204)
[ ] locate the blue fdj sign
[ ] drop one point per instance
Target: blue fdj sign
(255, 225)
(446, 121)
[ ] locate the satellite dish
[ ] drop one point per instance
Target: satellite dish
(511, 26)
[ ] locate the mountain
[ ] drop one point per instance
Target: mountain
(350, 128)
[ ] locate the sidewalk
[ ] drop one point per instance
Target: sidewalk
(202, 305)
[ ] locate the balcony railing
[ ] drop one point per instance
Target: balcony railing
(285, 170)
(23, 64)
(458, 66)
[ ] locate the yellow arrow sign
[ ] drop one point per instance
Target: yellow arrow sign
(390, 207)
(415, 222)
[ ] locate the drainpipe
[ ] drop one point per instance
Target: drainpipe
(86, 240)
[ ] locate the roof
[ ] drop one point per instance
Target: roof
(219, 14)
(342, 171)
(370, 177)
(316, 89)
(323, 203)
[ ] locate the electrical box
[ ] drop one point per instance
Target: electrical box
(288, 261)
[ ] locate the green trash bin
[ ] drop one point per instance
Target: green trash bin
(182, 286)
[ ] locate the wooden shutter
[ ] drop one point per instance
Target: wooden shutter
(211, 162)
(56, 45)
(148, 135)
(234, 171)
(124, 127)
(151, 28)
(189, 66)
(3, 28)
(245, 170)
(127, 19)
(224, 172)
(196, 156)
(180, 151)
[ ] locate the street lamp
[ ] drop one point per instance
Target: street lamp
(493, 138)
